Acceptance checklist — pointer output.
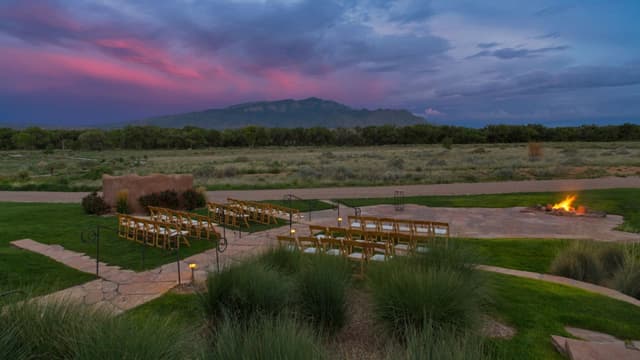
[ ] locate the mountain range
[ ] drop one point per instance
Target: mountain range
(310, 112)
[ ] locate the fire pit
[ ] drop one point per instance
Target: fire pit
(566, 208)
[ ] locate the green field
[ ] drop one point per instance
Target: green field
(285, 167)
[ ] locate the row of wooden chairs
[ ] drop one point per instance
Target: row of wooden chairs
(163, 235)
(228, 214)
(257, 212)
(198, 226)
(361, 252)
(414, 227)
(265, 213)
(403, 242)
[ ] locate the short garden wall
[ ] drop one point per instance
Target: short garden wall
(142, 185)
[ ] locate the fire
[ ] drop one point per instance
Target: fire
(565, 204)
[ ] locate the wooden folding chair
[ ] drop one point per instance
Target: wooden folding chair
(387, 225)
(354, 222)
(318, 231)
(421, 244)
(309, 245)
(370, 223)
(403, 243)
(404, 226)
(422, 228)
(287, 242)
(441, 231)
(331, 246)
(336, 232)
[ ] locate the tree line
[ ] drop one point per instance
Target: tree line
(152, 137)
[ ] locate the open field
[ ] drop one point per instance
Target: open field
(275, 167)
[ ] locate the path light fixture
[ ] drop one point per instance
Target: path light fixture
(293, 232)
(193, 267)
(339, 221)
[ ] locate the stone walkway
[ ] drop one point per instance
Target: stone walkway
(368, 191)
(118, 290)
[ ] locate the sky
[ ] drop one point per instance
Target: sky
(462, 62)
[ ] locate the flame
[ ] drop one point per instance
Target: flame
(565, 204)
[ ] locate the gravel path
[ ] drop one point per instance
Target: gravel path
(368, 191)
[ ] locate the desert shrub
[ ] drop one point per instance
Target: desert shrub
(282, 259)
(447, 143)
(321, 289)
(122, 202)
(241, 159)
(535, 151)
(23, 176)
(611, 258)
(409, 296)
(95, 173)
(396, 163)
(479, 150)
(436, 162)
(579, 262)
(193, 199)
(205, 171)
(229, 171)
(245, 290)
(265, 338)
(167, 199)
(95, 204)
(443, 344)
(306, 172)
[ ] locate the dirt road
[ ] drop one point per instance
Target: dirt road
(368, 191)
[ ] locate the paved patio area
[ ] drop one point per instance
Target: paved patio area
(495, 223)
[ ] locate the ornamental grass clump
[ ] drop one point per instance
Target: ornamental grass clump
(409, 293)
(265, 338)
(245, 290)
(627, 278)
(282, 259)
(580, 262)
(66, 330)
(321, 290)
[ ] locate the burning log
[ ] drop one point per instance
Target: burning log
(566, 208)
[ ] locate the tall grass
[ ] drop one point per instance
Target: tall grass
(321, 290)
(627, 278)
(265, 338)
(245, 290)
(65, 330)
(442, 343)
(282, 259)
(580, 262)
(441, 288)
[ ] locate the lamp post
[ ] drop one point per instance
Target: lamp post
(339, 222)
(193, 267)
(292, 232)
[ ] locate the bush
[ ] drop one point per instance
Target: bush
(245, 290)
(408, 296)
(579, 262)
(122, 203)
(95, 204)
(535, 151)
(69, 331)
(193, 199)
(627, 278)
(283, 260)
(322, 292)
(167, 199)
(443, 344)
(265, 338)
(611, 259)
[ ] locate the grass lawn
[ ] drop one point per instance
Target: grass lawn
(184, 308)
(522, 254)
(615, 201)
(63, 223)
(538, 310)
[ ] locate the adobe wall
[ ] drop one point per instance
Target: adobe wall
(142, 185)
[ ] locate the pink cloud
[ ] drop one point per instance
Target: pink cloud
(433, 112)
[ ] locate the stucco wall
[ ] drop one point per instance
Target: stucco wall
(142, 185)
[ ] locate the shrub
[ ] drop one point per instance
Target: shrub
(535, 151)
(245, 290)
(193, 199)
(95, 204)
(408, 296)
(65, 330)
(122, 202)
(578, 262)
(627, 278)
(282, 259)
(265, 338)
(611, 258)
(322, 291)
(167, 199)
(443, 344)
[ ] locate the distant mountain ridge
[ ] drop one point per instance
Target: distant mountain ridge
(310, 112)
